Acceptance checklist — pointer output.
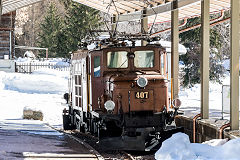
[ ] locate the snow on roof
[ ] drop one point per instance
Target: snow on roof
(166, 44)
(181, 48)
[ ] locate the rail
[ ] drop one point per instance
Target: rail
(29, 67)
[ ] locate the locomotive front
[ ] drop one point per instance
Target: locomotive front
(135, 102)
(120, 95)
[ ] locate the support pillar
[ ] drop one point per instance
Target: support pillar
(234, 66)
(174, 50)
(205, 33)
(144, 26)
(0, 9)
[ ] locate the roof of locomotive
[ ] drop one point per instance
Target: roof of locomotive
(82, 53)
(113, 47)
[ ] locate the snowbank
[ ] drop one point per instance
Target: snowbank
(43, 90)
(190, 97)
(178, 147)
(39, 82)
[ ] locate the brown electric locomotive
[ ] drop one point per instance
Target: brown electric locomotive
(120, 95)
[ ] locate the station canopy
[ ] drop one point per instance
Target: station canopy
(132, 9)
(12, 5)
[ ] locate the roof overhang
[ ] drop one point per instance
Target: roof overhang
(156, 10)
(12, 5)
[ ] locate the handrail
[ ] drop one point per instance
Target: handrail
(194, 126)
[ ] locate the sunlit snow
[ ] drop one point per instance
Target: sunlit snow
(43, 90)
(178, 147)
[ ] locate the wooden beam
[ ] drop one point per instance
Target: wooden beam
(144, 26)
(155, 10)
(216, 7)
(159, 1)
(221, 3)
(125, 6)
(234, 66)
(109, 6)
(205, 33)
(189, 10)
(12, 5)
(133, 5)
(174, 50)
(142, 4)
(0, 9)
(93, 5)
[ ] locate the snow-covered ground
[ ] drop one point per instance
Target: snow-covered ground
(178, 147)
(190, 97)
(43, 90)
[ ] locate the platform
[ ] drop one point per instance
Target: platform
(28, 139)
(205, 129)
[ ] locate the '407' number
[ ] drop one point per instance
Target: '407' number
(141, 95)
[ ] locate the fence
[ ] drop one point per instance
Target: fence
(29, 67)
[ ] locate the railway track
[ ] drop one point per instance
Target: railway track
(77, 139)
(91, 143)
(112, 155)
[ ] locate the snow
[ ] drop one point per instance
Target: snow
(167, 44)
(178, 147)
(36, 83)
(42, 91)
(29, 54)
(190, 97)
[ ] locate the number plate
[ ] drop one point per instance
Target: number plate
(141, 95)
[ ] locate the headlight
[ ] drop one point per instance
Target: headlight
(109, 105)
(176, 103)
(142, 82)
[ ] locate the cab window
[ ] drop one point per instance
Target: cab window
(97, 68)
(144, 59)
(162, 64)
(117, 59)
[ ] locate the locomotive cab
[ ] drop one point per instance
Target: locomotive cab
(121, 96)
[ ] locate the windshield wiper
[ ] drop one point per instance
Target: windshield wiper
(123, 63)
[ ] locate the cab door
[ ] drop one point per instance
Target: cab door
(96, 79)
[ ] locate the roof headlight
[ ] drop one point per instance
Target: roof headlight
(109, 105)
(142, 82)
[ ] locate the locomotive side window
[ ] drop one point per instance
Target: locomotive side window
(78, 91)
(97, 66)
(117, 59)
(144, 59)
(163, 65)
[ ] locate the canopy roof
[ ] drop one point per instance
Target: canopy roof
(131, 9)
(12, 5)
